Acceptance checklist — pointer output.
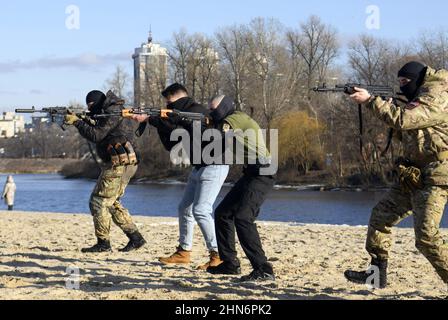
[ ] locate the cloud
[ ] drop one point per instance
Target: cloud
(85, 61)
(8, 92)
(36, 91)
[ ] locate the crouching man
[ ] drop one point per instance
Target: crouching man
(241, 207)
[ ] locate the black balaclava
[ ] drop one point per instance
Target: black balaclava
(98, 98)
(172, 90)
(224, 109)
(179, 104)
(415, 71)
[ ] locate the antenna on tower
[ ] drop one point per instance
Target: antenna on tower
(150, 34)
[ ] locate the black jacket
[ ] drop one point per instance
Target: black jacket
(166, 127)
(110, 130)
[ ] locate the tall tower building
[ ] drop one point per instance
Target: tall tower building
(150, 73)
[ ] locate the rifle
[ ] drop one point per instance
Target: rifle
(349, 88)
(154, 112)
(56, 114)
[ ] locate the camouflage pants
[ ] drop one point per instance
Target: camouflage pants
(427, 206)
(105, 201)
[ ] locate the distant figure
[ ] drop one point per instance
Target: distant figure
(9, 192)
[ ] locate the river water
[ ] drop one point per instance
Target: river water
(53, 193)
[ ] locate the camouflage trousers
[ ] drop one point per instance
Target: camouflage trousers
(427, 206)
(105, 201)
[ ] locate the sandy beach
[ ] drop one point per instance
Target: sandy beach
(37, 248)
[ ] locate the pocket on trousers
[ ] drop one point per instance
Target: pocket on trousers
(108, 185)
(254, 200)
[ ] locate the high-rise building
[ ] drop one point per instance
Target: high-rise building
(150, 73)
(11, 125)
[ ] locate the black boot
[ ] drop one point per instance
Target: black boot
(136, 241)
(10, 208)
(101, 246)
(364, 277)
(263, 273)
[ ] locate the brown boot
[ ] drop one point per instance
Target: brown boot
(214, 261)
(179, 257)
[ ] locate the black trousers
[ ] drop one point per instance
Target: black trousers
(238, 211)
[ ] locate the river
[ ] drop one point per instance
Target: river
(53, 193)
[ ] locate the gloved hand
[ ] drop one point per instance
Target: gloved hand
(71, 118)
(410, 178)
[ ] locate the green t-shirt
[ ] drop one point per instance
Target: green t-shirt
(250, 147)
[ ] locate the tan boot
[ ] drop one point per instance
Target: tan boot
(214, 261)
(179, 257)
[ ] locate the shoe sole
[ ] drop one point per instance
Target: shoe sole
(361, 282)
(236, 273)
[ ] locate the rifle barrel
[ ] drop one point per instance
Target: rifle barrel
(26, 110)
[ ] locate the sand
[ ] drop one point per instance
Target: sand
(37, 248)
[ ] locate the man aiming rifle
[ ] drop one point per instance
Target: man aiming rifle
(116, 147)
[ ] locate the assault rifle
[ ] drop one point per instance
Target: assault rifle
(384, 92)
(154, 112)
(56, 114)
(349, 88)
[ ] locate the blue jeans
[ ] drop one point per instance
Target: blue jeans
(202, 189)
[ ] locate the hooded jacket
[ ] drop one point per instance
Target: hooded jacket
(423, 124)
(109, 130)
(165, 127)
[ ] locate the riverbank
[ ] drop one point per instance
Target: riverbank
(37, 248)
(76, 169)
(37, 166)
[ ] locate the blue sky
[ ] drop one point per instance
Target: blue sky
(43, 63)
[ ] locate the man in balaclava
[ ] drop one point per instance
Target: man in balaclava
(411, 77)
(115, 146)
(237, 212)
(95, 101)
(422, 186)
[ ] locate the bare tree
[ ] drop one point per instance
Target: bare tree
(179, 52)
(118, 82)
(234, 52)
(316, 43)
(432, 48)
(273, 80)
(207, 73)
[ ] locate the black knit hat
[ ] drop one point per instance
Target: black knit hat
(173, 89)
(95, 96)
(412, 70)
(98, 99)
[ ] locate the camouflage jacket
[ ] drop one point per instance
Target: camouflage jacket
(110, 130)
(423, 124)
